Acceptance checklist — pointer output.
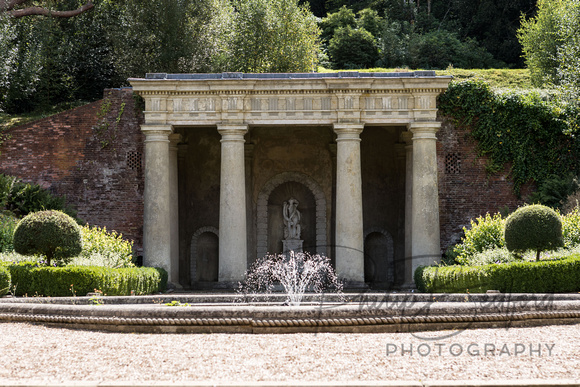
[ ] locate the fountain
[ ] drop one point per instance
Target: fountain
(296, 272)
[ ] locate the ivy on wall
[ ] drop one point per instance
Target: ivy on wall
(525, 130)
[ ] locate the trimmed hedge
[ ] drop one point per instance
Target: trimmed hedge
(4, 281)
(32, 280)
(557, 276)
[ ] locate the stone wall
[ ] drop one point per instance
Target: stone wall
(92, 155)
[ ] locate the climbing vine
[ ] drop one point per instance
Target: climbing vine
(104, 131)
(525, 130)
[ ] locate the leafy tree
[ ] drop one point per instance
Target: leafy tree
(439, 49)
(343, 18)
(540, 38)
(394, 43)
(370, 20)
(551, 46)
(353, 48)
(273, 36)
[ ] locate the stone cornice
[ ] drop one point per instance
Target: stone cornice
(301, 99)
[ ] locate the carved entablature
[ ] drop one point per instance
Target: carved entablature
(298, 99)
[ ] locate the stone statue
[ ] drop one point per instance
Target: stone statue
(291, 219)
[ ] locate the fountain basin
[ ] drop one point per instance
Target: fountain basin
(367, 312)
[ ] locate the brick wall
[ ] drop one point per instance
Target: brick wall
(92, 155)
(466, 190)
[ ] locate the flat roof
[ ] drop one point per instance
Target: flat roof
(340, 74)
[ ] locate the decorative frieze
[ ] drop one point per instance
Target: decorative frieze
(319, 100)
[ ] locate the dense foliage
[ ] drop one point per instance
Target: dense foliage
(551, 45)
(485, 233)
(46, 61)
(426, 34)
(534, 227)
(52, 234)
(104, 248)
(526, 131)
(8, 223)
(23, 198)
(5, 279)
(551, 276)
(484, 242)
(33, 280)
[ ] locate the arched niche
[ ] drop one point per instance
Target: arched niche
(378, 256)
(291, 183)
(204, 255)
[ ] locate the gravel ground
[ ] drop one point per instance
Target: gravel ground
(34, 353)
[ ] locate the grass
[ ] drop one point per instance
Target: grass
(8, 121)
(498, 78)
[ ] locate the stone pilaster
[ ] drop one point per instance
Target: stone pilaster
(157, 221)
(232, 227)
(349, 213)
(174, 139)
(406, 137)
(425, 247)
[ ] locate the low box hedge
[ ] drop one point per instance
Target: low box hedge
(32, 280)
(554, 276)
(4, 281)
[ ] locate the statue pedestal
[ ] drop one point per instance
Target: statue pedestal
(292, 245)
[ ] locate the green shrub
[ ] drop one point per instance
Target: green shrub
(548, 276)
(4, 280)
(534, 227)
(485, 233)
(6, 185)
(34, 280)
(7, 225)
(52, 234)
(24, 198)
(494, 255)
(571, 228)
(554, 191)
(103, 248)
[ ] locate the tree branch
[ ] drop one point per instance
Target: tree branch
(8, 5)
(29, 11)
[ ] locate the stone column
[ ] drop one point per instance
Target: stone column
(156, 222)
(174, 139)
(425, 247)
(232, 227)
(349, 213)
(407, 138)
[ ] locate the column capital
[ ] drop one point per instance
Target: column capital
(155, 133)
(424, 129)
(157, 129)
(232, 129)
(348, 131)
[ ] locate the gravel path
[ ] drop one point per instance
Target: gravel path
(41, 354)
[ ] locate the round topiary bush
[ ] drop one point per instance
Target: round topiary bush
(53, 234)
(534, 227)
